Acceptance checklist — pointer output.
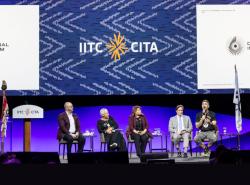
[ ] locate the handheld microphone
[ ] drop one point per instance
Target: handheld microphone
(204, 112)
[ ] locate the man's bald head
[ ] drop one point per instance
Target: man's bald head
(68, 106)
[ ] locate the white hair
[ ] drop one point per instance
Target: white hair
(103, 111)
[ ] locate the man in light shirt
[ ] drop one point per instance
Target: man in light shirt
(180, 127)
(69, 128)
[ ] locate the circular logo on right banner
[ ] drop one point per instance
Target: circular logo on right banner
(235, 47)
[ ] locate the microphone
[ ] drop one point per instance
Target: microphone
(204, 112)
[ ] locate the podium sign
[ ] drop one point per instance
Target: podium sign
(27, 112)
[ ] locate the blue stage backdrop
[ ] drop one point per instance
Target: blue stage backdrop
(66, 26)
(44, 131)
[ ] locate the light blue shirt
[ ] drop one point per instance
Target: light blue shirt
(180, 123)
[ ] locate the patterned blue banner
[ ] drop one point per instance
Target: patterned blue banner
(66, 26)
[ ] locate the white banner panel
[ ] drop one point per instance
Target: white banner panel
(19, 46)
(223, 40)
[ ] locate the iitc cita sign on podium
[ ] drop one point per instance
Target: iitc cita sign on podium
(27, 112)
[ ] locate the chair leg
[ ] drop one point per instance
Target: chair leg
(131, 147)
(200, 150)
(59, 149)
(64, 150)
(196, 150)
(172, 149)
(149, 146)
(166, 143)
(191, 149)
(105, 144)
(101, 147)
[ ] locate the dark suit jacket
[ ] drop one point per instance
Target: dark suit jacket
(64, 124)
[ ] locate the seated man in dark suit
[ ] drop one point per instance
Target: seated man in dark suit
(69, 128)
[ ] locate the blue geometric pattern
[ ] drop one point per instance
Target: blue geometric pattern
(169, 23)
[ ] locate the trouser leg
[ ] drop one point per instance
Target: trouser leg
(137, 141)
(211, 136)
(81, 142)
(185, 137)
(199, 139)
(144, 141)
(176, 140)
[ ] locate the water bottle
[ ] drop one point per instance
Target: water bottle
(224, 130)
(92, 132)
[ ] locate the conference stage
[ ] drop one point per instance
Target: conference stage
(124, 82)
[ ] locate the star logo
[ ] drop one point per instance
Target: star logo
(117, 47)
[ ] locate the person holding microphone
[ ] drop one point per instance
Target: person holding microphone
(207, 125)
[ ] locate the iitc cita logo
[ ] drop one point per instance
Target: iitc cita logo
(117, 47)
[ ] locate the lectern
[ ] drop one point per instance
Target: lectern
(27, 113)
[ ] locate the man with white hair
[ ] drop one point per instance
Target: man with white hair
(69, 128)
(107, 125)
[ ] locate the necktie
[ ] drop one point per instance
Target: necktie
(179, 123)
